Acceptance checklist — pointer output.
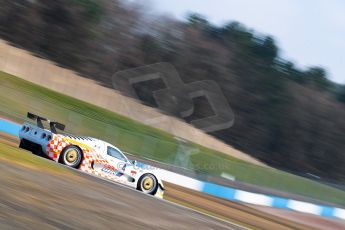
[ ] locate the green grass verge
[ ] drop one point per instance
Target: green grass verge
(17, 97)
(25, 158)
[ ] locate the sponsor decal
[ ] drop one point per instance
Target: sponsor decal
(111, 170)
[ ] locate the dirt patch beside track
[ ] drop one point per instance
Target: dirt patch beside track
(9, 139)
(307, 219)
(257, 217)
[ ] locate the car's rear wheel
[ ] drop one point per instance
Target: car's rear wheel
(148, 184)
(71, 156)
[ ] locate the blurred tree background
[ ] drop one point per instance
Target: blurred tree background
(288, 117)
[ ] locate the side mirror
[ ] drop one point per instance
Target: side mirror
(133, 162)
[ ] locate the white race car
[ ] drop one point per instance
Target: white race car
(88, 154)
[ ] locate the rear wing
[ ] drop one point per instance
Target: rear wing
(52, 124)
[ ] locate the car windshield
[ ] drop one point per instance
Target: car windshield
(116, 153)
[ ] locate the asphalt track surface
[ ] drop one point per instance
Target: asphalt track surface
(31, 199)
(36, 199)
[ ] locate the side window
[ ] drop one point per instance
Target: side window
(115, 153)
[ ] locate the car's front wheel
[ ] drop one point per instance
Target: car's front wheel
(148, 184)
(71, 156)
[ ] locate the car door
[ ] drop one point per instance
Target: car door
(110, 165)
